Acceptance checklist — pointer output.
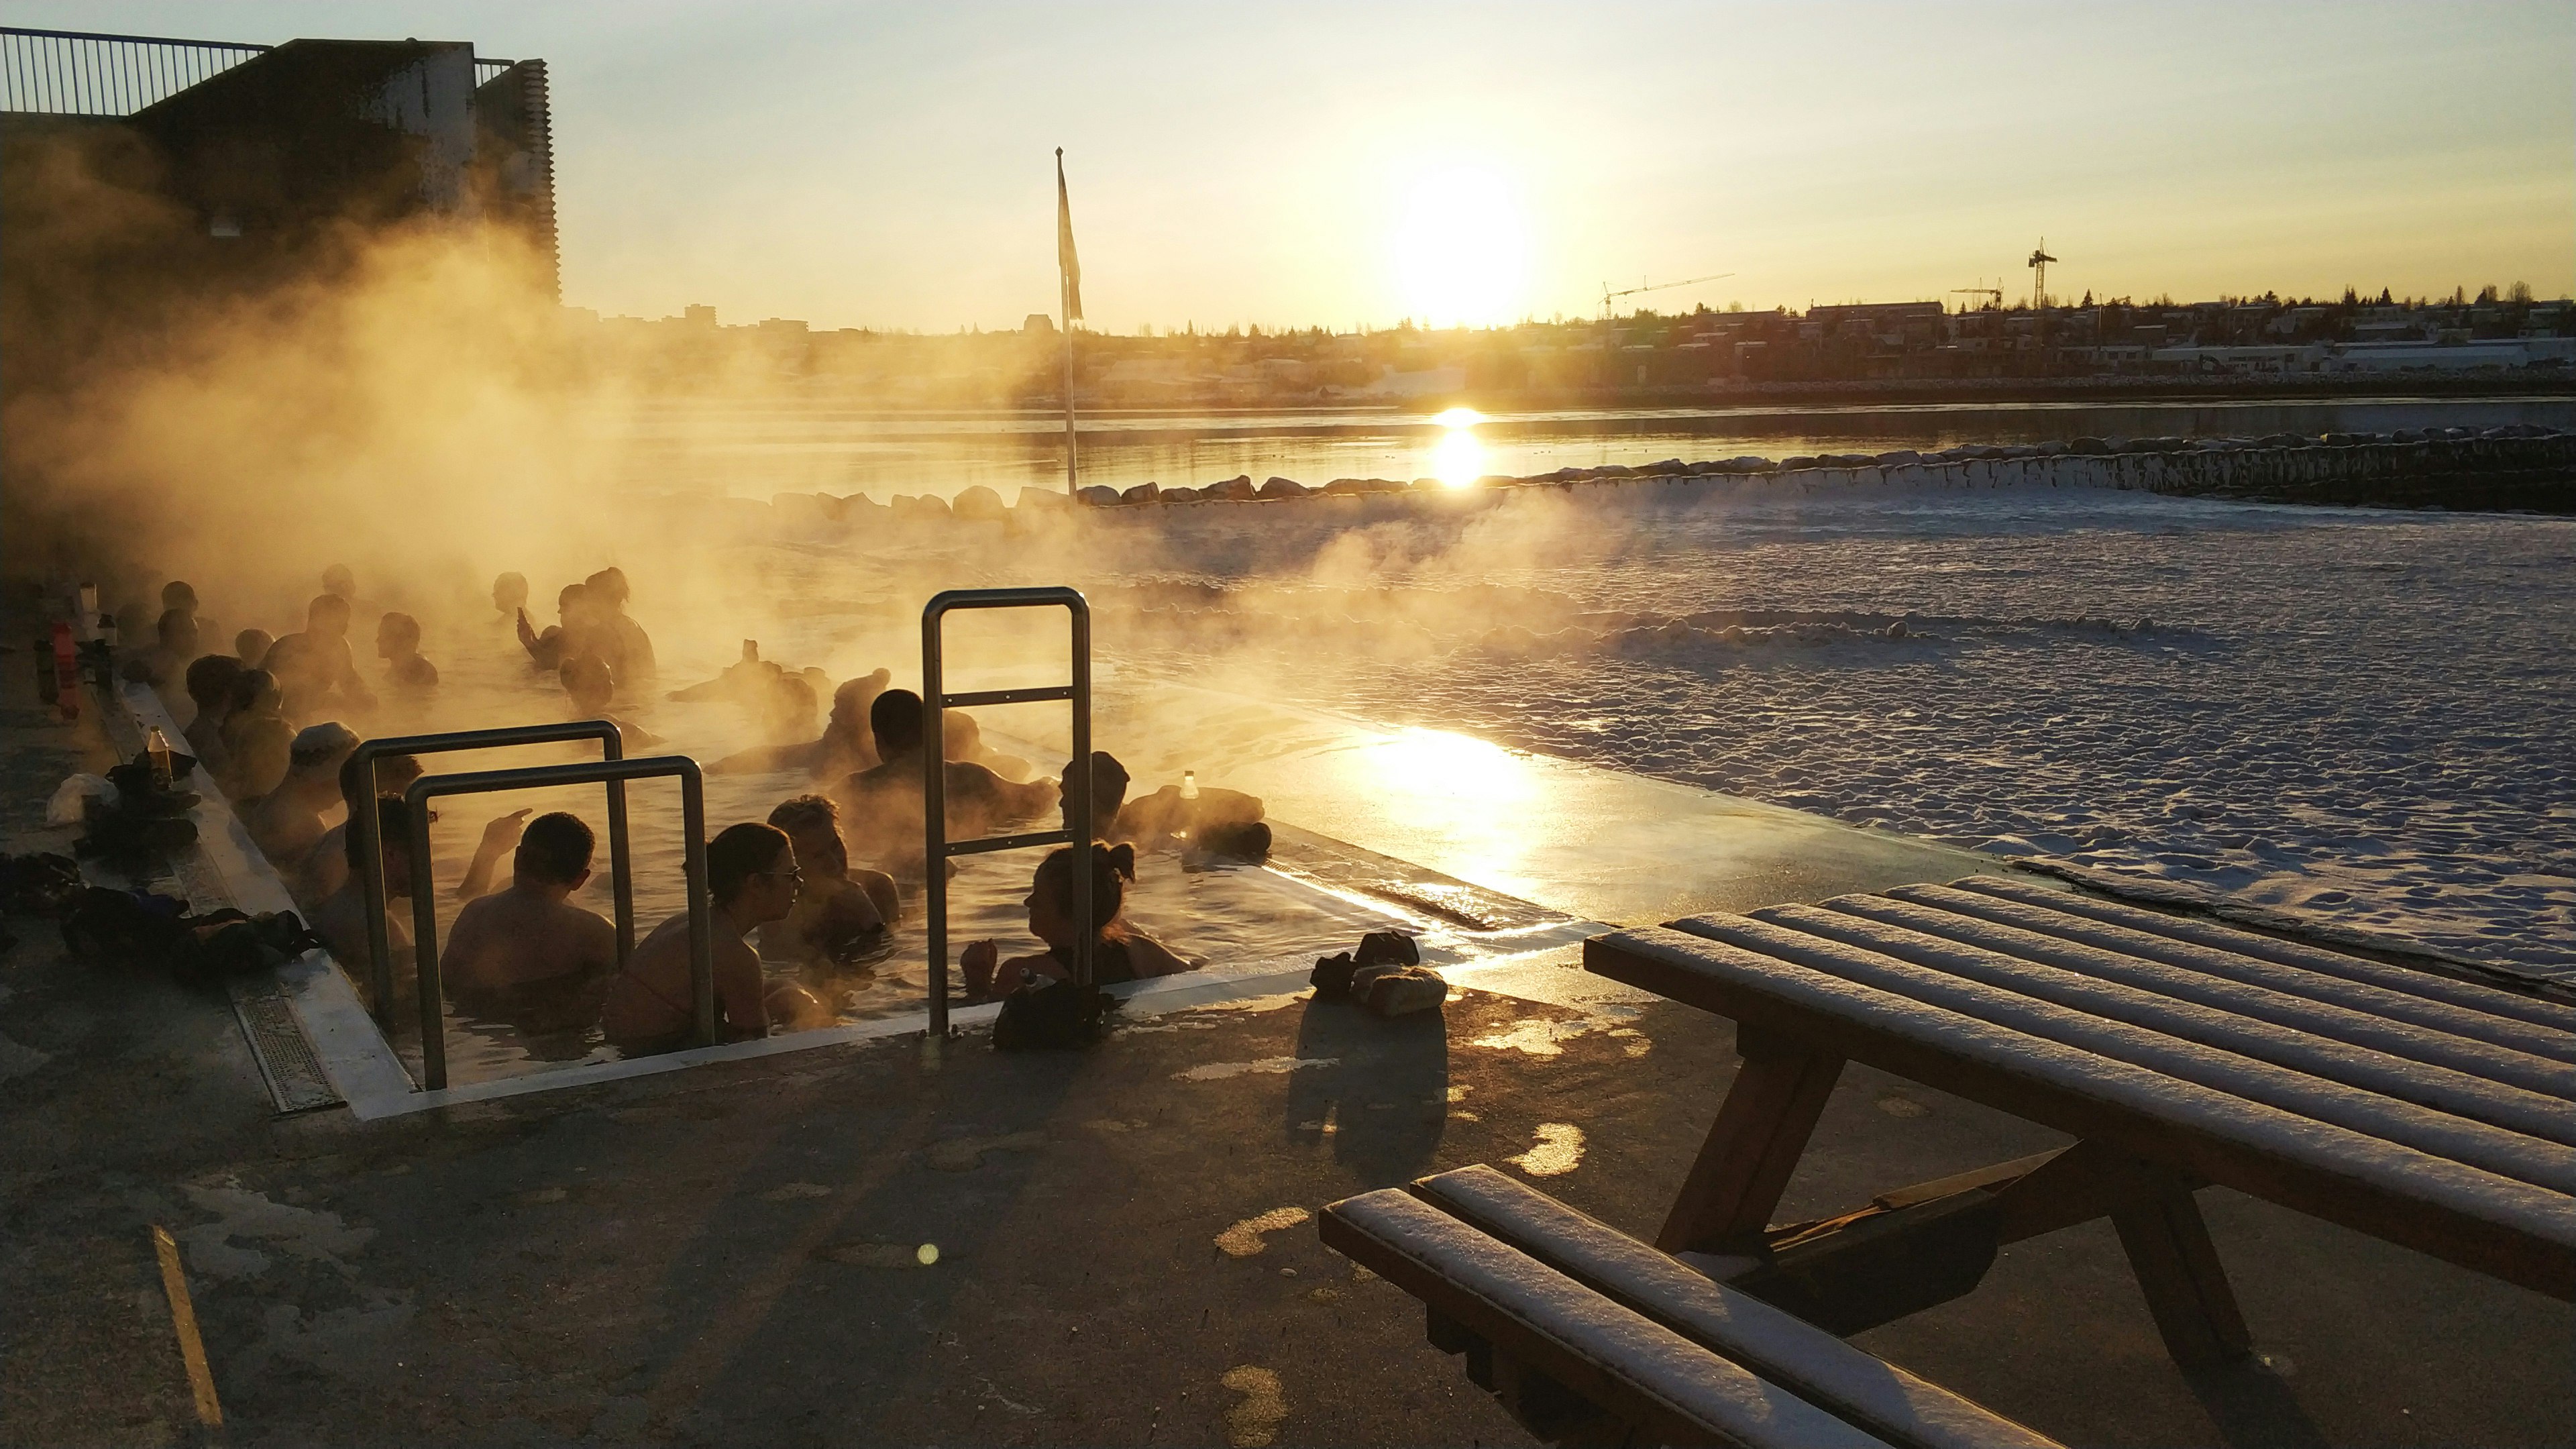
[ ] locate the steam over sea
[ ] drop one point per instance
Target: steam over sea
(2364, 715)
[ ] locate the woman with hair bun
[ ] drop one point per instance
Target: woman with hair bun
(649, 1007)
(1119, 952)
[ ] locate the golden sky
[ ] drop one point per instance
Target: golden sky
(890, 166)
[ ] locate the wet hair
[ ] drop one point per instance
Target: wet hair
(210, 680)
(587, 678)
(177, 595)
(895, 719)
(252, 645)
(176, 624)
(610, 587)
(739, 853)
(402, 627)
(249, 685)
(326, 605)
(1113, 868)
(1108, 784)
(394, 773)
(806, 812)
(555, 849)
(393, 826)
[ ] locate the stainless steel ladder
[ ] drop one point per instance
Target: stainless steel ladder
(358, 785)
(614, 773)
(938, 849)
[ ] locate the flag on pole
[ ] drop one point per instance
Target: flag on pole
(1065, 261)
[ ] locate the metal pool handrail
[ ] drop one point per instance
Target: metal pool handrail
(935, 702)
(424, 898)
(358, 786)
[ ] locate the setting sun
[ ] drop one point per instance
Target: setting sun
(1462, 249)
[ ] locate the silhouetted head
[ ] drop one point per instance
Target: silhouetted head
(252, 645)
(393, 819)
(397, 636)
(177, 595)
(255, 690)
(813, 825)
(394, 773)
(210, 682)
(791, 708)
(1051, 901)
(510, 593)
(328, 616)
(588, 681)
(338, 580)
(571, 604)
(1108, 790)
(554, 851)
(608, 589)
(895, 719)
(850, 702)
(319, 750)
(752, 873)
(178, 632)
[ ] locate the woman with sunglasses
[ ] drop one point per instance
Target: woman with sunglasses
(752, 876)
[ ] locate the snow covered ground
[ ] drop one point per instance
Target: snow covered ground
(2365, 716)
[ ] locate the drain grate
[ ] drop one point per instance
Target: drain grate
(285, 1057)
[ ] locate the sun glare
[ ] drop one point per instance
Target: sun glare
(1462, 251)
(1459, 418)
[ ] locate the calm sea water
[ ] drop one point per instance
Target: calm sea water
(756, 450)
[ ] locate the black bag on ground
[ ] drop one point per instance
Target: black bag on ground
(38, 885)
(126, 928)
(229, 943)
(1056, 1014)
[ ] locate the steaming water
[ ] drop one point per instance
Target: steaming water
(754, 451)
(1226, 916)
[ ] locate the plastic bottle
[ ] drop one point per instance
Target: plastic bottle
(1189, 784)
(156, 748)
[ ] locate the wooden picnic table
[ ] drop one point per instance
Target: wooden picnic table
(2430, 1111)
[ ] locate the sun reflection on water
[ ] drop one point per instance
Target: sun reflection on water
(1458, 459)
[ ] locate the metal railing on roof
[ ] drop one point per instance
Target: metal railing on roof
(81, 73)
(77, 73)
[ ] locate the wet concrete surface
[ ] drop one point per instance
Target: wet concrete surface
(1125, 1250)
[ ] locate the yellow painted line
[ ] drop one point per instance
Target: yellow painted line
(183, 1316)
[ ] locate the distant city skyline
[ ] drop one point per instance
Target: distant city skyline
(885, 167)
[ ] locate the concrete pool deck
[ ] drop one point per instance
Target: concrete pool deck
(731, 1254)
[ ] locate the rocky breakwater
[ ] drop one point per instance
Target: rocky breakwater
(2521, 467)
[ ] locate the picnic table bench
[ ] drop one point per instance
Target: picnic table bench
(2432, 1112)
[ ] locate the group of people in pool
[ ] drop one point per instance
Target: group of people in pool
(788, 890)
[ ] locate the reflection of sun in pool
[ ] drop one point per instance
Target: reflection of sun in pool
(1458, 459)
(1422, 762)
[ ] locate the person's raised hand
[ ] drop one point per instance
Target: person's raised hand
(977, 961)
(502, 832)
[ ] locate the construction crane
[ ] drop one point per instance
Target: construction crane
(1995, 292)
(2039, 260)
(1608, 296)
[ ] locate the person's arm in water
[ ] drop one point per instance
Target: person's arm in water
(528, 636)
(740, 996)
(1151, 958)
(765, 759)
(499, 837)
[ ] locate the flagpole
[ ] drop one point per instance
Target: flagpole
(1064, 304)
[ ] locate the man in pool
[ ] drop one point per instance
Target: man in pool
(510, 595)
(885, 804)
(839, 912)
(633, 651)
(530, 932)
(398, 644)
(589, 685)
(844, 748)
(287, 822)
(210, 680)
(565, 640)
(341, 919)
(315, 669)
